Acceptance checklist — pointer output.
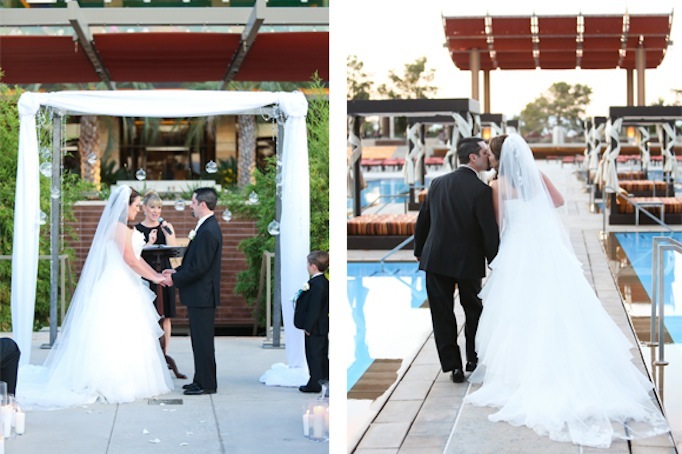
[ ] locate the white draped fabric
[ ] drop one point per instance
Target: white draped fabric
(593, 159)
(355, 155)
(644, 137)
(463, 128)
(607, 173)
(294, 223)
(667, 149)
(413, 160)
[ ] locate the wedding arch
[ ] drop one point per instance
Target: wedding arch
(294, 237)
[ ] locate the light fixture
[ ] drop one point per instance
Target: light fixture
(486, 133)
(630, 132)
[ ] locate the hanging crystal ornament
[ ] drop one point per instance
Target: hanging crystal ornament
(211, 167)
(42, 220)
(179, 205)
(227, 215)
(46, 169)
(45, 153)
(140, 174)
(253, 198)
(92, 159)
(55, 193)
(273, 228)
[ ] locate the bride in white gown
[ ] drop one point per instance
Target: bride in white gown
(550, 357)
(108, 348)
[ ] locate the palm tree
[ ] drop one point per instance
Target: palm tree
(89, 150)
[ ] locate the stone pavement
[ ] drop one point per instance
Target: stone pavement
(423, 412)
(245, 416)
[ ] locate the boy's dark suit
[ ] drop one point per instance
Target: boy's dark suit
(198, 279)
(312, 315)
(456, 232)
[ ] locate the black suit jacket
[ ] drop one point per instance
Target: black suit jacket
(198, 278)
(456, 229)
(312, 307)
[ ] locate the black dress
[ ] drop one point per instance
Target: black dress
(168, 292)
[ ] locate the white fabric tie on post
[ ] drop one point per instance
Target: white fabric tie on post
(294, 224)
(413, 161)
(462, 128)
(670, 163)
(356, 154)
(643, 139)
(609, 173)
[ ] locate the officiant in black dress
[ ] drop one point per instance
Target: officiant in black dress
(158, 231)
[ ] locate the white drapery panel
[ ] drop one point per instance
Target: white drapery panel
(355, 155)
(644, 138)
(667, 149)
(607, 172)
(413, 161)
(462, 128)
(294, 224)
(593, 159)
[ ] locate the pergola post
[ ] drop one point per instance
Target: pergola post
(486, 91)
(640, 65)
(55, 211)
(277, 303)
(630, 95)
(357, 200)
(475, 65)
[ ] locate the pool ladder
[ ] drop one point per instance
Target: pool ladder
(661, 244)
(382, 260)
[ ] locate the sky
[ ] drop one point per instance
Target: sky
(387, 34)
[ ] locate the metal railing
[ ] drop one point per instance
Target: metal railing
(661, 244)
(382, 260)
(639, 207)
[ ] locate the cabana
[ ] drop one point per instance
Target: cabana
(293, 241)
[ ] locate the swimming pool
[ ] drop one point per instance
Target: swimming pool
(638, 247)
(380, 191)
(384, 317)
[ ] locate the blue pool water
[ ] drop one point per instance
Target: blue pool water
(638, 247)
(381, 191)
(384, 306)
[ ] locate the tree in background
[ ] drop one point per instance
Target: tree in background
(358, 85)
(561, 105)
(415, 82)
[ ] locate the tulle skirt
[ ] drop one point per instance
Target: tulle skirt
(550, 357)
(109, 352)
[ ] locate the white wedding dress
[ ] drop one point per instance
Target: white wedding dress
(550, 357)
(111, 350)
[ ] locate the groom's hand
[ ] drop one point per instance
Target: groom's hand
(168, 271)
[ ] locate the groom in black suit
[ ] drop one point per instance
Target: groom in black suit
(198, 279)
(456, 232)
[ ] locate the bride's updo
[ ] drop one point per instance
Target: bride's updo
(495, 146)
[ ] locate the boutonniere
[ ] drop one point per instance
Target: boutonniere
(192, 234)
(305, 288)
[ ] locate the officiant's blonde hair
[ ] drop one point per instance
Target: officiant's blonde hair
(151, 199)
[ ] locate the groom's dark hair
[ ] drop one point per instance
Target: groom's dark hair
(467, 146)
(207, 195)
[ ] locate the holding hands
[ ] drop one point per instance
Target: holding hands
(166, 276)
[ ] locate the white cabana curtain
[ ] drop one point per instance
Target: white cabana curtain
(667, 149)
(607, 174)
(413, 161)
(355, 155)
(294, 222)
(644, 138)
(462, 128)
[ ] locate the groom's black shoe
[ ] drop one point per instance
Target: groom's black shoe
(189, 385)
(308, 389)
(471, 366)
(457, 376)
(197, 390)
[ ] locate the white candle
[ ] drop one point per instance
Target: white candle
(306, 424)
(318, 422)
(20, 422)
(6, 415)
